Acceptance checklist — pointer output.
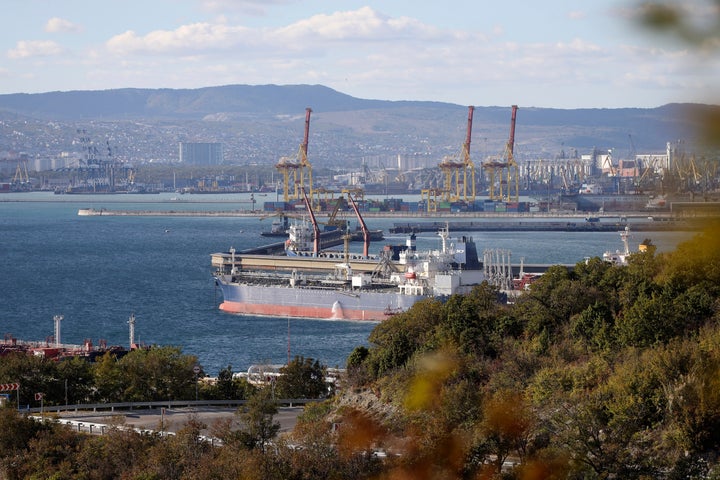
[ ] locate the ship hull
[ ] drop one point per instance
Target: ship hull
(329, 303)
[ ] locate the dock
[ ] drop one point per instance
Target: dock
(542, 226)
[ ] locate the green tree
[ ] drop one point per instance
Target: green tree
(301, 378)
(357, 367)
(75, 380)
(17, 432)
(398, 338)
(52, 453)
(225, 385)
(158, 373)
(34, 374)
(595, 326)
(553, 299)
(257, 421)
(108, 379)
(469, 320)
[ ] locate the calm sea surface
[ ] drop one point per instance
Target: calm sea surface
(96, 271)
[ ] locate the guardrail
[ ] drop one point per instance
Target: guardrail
(102, 429)
(94, 407)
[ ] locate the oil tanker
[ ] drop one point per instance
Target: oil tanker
(344, 286)
(309, 283)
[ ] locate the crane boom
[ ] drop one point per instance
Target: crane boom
(511, 140)
(366, 232)
(316, 229)
(304, 146)
(468, 136)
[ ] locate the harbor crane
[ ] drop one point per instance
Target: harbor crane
(297, 170)
(21, 177)
(505, 171)
(453, 166)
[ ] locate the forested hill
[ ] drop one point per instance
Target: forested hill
(599, 372)
(443, 123)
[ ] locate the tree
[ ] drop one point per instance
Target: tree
(301, 378)
(256, 417)
(225, 385)
(595, 326)
(108, 379)
(17, 432)
(75, 380)
(506, 426)
(468, 320)
(552, 300)
(357, 367)
(115, 454)
(34, 374)
(159, 373)
(398, 338)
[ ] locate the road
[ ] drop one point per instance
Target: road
(169, 420)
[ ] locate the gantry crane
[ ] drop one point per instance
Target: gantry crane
(507, 165)
(21, 176)
(297, 170)
(452, 167)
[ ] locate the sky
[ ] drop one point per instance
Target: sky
(533, 53)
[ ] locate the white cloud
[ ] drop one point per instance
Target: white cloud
(252, 7)
(366, 53)
(60, 25)
(34, 48)
(364, 24)
(363, 27)
(191, 38)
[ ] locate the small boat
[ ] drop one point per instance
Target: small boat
(617, 257)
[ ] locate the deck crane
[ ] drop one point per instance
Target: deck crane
(452, 166)
(507, 165)
(297, 169)
(365, 231)
(316, 229)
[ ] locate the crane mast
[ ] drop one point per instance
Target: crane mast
(298, 170)
(467, 162)
(513, 173)
(452, 168)
(504, 171)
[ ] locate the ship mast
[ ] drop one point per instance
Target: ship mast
(131, 322)
(57, 319)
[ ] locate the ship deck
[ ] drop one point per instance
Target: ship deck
(244, 262)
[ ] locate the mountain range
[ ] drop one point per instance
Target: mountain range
(261, 122)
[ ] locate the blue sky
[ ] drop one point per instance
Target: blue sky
(549, 53)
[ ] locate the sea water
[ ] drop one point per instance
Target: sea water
(96, 271)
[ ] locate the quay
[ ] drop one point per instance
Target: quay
(489, 221)
(542, 226)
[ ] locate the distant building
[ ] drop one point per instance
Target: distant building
(201, 153)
